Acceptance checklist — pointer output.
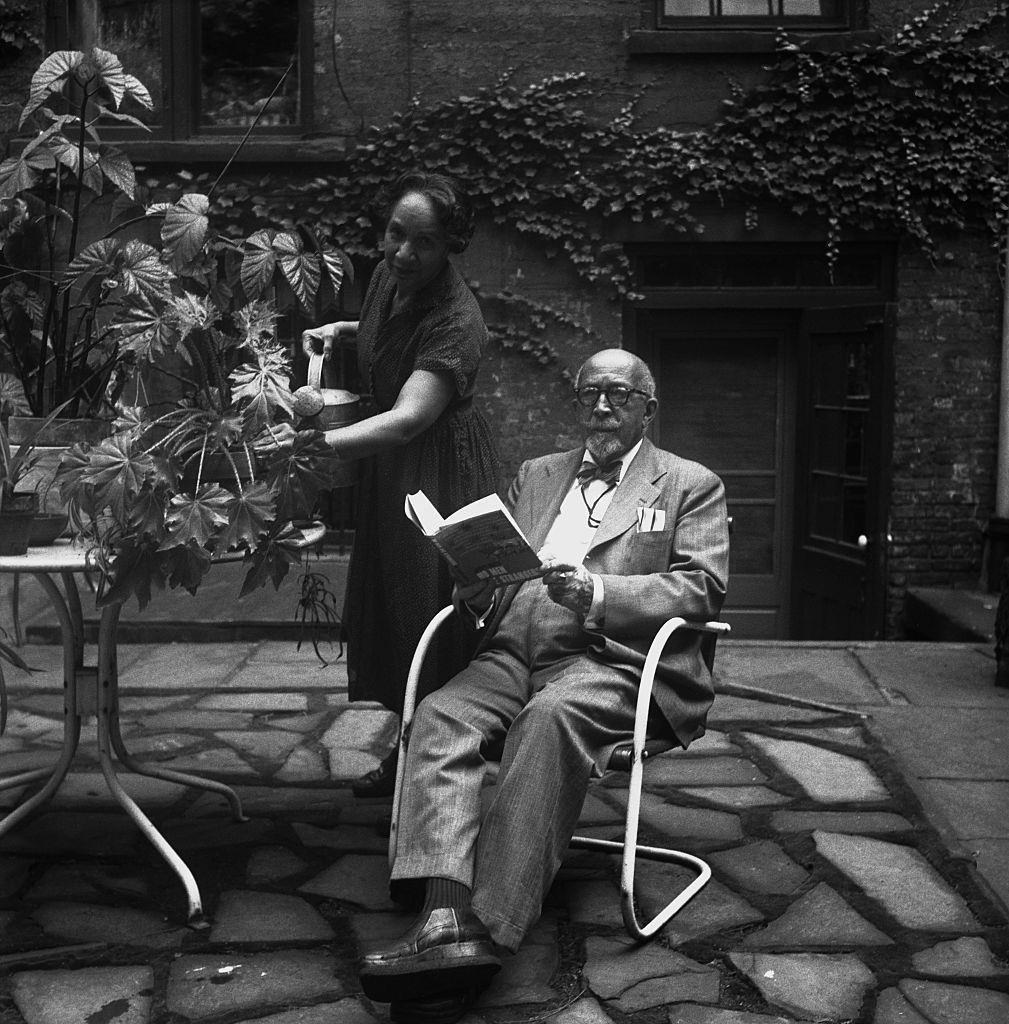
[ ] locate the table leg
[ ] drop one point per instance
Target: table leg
(170, 775)
(107, 714)
(71, 717)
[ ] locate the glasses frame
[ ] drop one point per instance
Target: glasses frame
(606, 391)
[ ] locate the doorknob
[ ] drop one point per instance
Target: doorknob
(863, 541)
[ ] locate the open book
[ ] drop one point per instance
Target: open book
(481, 541)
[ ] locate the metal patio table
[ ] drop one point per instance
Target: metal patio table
(95, 690)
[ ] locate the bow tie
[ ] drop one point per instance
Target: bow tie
(608, 472)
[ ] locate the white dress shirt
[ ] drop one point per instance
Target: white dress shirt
(572, 534)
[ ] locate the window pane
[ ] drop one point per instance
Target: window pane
(745, 8)
(132, 30)
(246, 46)
(688, 8)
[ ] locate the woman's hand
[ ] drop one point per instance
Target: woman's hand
(320, 339)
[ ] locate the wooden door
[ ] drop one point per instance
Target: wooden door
(726, 382)
(841, 530)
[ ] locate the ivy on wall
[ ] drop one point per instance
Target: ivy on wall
(18, 22)
(907, 136)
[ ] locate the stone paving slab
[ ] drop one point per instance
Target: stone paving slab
(820, 673)
(833, 897)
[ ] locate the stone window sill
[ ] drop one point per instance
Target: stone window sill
(739, 41)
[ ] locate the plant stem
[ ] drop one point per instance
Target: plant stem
(252, 128)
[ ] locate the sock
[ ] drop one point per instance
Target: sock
(445, 892)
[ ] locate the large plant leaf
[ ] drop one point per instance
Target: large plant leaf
(301, 269)
(334, 263)
(299, 473)
(263, 390)
(118, 168)
(110, 73)
(185, 228)
(147, 514)
(49, 78)
(136, 90)
(258, 263)
(68, 154)
(115, 473)
(147, 331)
(15, 176)
(187, 564)
(101, 257)
(272, 559)
(135, 566)
(196, 518)
(250, 514)
(143, 273)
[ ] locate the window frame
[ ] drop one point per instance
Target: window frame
(180, 61)
(844, 20)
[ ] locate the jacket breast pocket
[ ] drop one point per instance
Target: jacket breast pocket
(649, 551)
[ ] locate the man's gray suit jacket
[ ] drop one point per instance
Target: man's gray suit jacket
(648, 576)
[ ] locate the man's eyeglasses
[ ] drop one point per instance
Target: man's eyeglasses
(616, 395)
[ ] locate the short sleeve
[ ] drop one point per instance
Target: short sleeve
(452, 340)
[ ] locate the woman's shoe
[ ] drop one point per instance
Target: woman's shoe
(380, 781)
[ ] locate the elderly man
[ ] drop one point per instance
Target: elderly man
(631, 535)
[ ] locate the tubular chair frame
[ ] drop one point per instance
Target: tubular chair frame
(638, 750)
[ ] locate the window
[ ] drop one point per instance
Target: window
(751, 13)
(210, 65)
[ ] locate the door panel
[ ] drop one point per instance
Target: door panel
(726, 387)
(840, 537)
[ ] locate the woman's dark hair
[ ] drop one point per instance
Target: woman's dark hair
(451, 204)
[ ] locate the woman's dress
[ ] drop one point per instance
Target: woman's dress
(397, 579)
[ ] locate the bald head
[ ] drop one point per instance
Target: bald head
(610, 428)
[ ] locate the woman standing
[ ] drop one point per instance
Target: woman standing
(419, 344)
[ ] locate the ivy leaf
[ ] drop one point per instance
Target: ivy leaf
(196, 518)
(185, 228)
(250, 514)
(300, 268)
(258, 263)
(50, 78)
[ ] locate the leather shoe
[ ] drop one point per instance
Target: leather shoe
(446, 1008)
(380, 781)
(447, 951)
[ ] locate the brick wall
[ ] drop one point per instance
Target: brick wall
(946, 373)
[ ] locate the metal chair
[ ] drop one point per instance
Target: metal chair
(629, 757)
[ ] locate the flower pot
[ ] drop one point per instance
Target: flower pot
(16, 515)
(45, 528)
(219, 469)
(50, 446)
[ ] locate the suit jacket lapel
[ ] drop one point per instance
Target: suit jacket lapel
(553, 489)
(636, 490)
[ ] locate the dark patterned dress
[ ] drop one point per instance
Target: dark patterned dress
(397, 580)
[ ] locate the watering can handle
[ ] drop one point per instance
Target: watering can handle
(315, 370)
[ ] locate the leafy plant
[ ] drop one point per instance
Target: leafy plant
(317, 612)
(183, 315)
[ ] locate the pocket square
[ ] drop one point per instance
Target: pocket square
(651, 519)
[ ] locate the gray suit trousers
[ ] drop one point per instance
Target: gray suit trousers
(558, 714)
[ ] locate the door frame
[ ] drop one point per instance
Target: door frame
(673, 298)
